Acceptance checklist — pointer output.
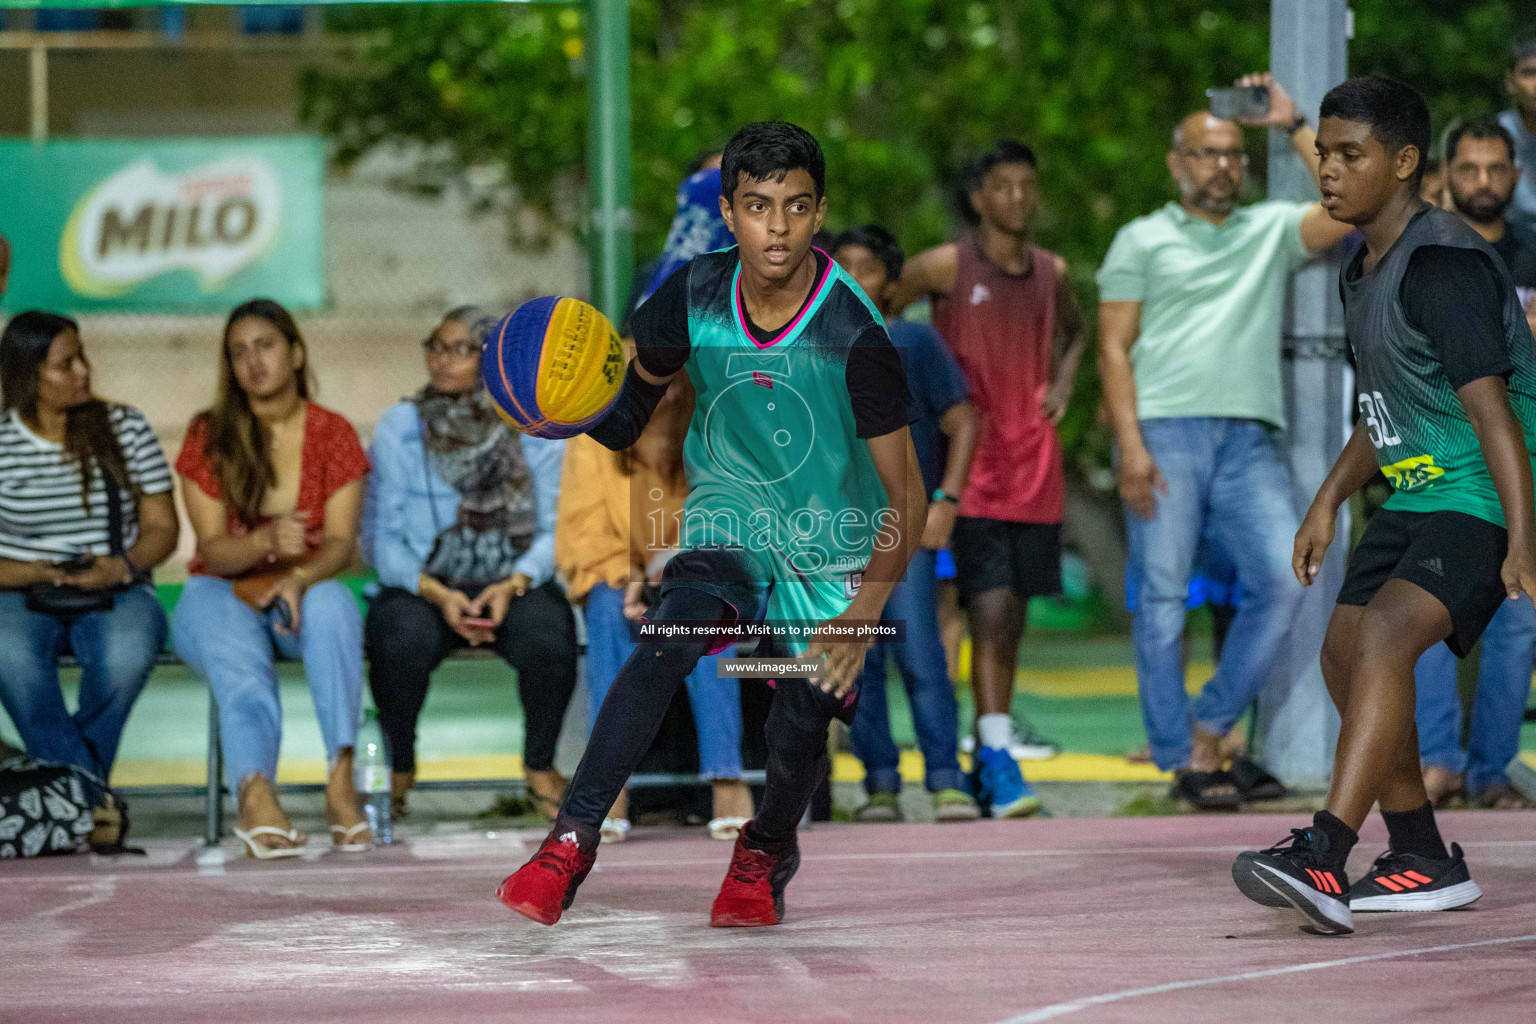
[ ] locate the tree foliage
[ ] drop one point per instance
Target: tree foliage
(900, 93)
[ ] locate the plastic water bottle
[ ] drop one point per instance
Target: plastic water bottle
(372, 776)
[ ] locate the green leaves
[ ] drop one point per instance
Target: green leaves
(900, 92)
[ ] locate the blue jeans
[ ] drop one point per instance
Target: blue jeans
(116, 651)
(1498, 710)
(716, 702)
(1226, 482)
(924, 671)
(236, 648)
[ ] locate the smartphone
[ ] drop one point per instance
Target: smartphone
(284, 613)
(79, 563)
(479, 623)
(1235, 104)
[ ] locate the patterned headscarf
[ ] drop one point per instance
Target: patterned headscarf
(480, 456)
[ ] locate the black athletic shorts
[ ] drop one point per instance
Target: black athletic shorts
(732, 576)
(1455, 556)
(992, 553)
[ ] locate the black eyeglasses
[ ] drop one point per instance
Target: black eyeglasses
(462, 349)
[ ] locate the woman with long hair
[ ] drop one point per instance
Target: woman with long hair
(273, 483)
(619, 521)
(462, 515)
(66, 580)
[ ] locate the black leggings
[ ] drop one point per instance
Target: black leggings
(635, 706)
(406, 638)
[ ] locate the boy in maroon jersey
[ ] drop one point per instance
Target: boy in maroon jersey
(1007, 309)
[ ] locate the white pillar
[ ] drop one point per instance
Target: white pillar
(1297, 724)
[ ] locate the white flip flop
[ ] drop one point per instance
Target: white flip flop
(726, 829)
(260, 852)
(342, 838)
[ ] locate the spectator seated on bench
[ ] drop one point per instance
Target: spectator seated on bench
(461, 519)
(273, 486)
(61, 448)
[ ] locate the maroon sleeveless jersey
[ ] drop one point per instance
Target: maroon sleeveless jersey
(1001, 327)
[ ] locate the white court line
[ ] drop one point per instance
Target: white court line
(435, 866)
(1062, 1009)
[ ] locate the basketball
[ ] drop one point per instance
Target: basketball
(553, 366)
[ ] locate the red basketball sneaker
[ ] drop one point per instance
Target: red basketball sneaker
(753, 892)
(544, 887)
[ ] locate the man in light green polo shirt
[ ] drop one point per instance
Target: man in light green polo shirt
(1191, 300)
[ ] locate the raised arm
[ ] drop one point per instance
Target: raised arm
(1318, 230)
(662, 345)
(929, 273)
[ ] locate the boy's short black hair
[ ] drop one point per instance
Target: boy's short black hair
(1003, 151)
(1523, 49)
(1396, 113)
(1477, 128)
(878, 241)
(771, 149)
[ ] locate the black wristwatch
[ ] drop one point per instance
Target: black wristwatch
(1296, 125)
(942, 495)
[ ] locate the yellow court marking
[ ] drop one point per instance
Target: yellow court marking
(1061, 768)
(845, 768)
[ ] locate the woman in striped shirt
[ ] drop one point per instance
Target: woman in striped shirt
(60, 448)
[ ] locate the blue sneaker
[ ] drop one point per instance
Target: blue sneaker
(1000, 786)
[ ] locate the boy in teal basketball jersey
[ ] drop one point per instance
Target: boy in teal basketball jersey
(805, 503)
(1446, 389)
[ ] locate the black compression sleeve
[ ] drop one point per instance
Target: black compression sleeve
(638, 399)
(660, 327)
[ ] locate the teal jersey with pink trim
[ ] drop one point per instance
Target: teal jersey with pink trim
(776, 456)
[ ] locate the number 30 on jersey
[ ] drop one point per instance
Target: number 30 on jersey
(1378, 422)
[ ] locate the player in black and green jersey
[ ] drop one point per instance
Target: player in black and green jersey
(1446, 389)
(805, 503)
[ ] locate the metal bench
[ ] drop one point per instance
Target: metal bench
(214, 790)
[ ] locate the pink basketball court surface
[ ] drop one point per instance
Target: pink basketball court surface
(1083, 920)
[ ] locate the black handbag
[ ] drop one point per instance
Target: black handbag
(67, 602)
(43, 809)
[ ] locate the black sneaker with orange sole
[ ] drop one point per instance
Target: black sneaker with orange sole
(1406, 881)
(1292, 875)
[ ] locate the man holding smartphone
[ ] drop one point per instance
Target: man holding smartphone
(1191, 299)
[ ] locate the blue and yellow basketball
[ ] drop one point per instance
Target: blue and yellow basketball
(553, 366)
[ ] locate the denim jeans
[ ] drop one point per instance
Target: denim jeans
(1498, 710)
(925, 673)
(236, 648)
(116, 651)
(716, 702)
(1226, 482)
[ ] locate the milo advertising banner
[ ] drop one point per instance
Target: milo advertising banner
(166, 224)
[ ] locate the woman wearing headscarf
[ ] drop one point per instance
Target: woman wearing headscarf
(461, 513)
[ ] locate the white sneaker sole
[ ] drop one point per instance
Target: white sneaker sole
(1449, 898)
(1327, 915)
